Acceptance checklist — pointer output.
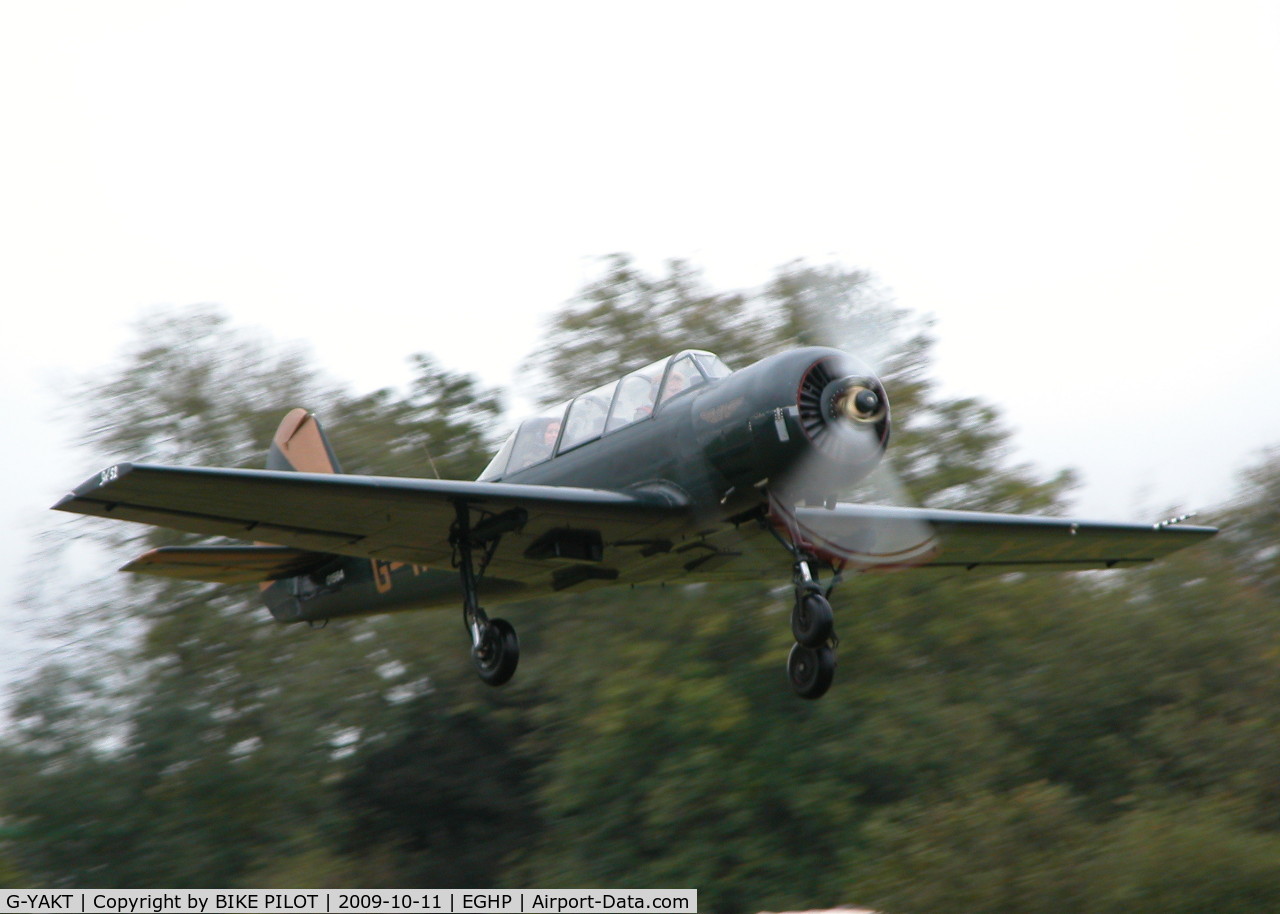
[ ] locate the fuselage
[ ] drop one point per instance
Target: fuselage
(719, 447)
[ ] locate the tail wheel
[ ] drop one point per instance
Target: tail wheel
(498, 653)
(811, 670)
(812, 621)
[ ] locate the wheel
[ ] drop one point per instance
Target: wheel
(811, 619)
(811, 670)
(499, 651)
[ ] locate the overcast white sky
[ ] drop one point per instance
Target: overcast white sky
(1084, 195)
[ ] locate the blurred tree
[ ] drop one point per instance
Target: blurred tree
(448, 795)
(1017, 853)
(1254, 520)
(674, 755)
(192, 388)
(1183, 858)
(444, 427)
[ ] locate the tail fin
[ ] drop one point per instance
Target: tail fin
(300, 445)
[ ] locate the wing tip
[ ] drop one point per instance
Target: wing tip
(91, 486)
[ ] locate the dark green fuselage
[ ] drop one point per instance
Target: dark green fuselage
(716, 449)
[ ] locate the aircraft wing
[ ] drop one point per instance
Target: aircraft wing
(395, 519)
(646, 537)
(873, 536)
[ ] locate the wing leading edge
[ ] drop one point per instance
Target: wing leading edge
(395, 519)
(872, 536)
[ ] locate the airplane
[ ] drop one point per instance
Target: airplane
(679, 472)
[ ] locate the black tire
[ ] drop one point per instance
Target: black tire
(496, 658)
(812, 621)
(811, 670)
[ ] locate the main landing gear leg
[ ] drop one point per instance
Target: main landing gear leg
(812, 663)
(495, 649)
(811, 666)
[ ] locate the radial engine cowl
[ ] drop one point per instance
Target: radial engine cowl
(807, 424)
(838, 399)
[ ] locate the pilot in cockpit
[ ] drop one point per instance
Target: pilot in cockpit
(676, 382)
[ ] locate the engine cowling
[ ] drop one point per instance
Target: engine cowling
(804, 424)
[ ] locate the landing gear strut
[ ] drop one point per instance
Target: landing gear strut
(812, 622)
(811, 665)
(495, 649)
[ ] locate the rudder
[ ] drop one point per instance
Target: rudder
(301, 446)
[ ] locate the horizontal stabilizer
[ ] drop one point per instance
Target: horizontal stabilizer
(228, 564)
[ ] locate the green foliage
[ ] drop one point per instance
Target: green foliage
(713, 796)
(1252, 532)
(1020, 852)
(1033, 850)
(1184, 858)
(992, 744)
(448, 796)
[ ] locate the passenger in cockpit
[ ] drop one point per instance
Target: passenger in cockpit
(534, 442)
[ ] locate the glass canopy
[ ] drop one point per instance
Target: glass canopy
(604, 410)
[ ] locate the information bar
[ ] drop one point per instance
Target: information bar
(339, 901)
